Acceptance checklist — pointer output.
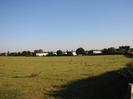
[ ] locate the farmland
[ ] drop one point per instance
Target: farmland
(48, 77)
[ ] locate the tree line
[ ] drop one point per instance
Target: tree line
(122, 50)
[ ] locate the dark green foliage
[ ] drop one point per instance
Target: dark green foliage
(26, 53)
(124, 49)
(59, 53)
(80, 51)
(110, 51)
(13, 54)
(69, 53)
(50, 54)
(38, 51)
(105, 51)
(2, 54)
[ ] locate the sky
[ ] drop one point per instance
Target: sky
(65, 24)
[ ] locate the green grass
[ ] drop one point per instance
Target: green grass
(35, 77)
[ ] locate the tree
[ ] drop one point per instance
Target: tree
(59, 53)
(124, 49)
(51, 54)
(69, 53)
(105, 51)
(38, 51)
(80, 51)
(112, 51)
(8, 53)
(27, 53)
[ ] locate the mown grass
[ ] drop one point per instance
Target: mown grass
(36, 77)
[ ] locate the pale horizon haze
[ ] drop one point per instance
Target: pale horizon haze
(65, 24)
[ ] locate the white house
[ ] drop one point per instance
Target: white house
(41, 54)
(54, 53)
(97, 52)
(74, 53)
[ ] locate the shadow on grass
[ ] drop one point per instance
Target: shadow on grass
(110, 85)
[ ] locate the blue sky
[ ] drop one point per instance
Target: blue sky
(65, 24)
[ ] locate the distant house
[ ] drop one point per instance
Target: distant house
(71, 53)
(54, 53)
(95, 52)
(64, 53)
(74, 53)
(42, 54)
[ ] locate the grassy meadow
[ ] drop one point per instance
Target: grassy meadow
(43, 77)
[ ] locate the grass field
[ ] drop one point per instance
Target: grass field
(45, 77)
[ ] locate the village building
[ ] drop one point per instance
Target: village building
(71, 53)
(42, 54)
(95, 52)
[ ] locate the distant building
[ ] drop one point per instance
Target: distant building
(87, 52)
(42, 54)
(95, 52)
(71, 53)
(54, 53)
(64, 53)
(74, 53)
